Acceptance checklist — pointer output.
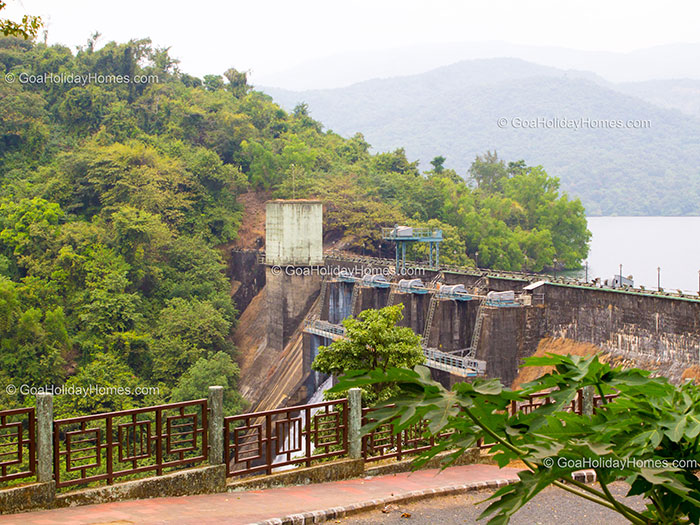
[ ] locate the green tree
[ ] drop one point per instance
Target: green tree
(373, 340)
(438, 164)
(488, 171)
(219, 370)
(186, 331)
(33, 342)
(237, 82)
(106, 384)
(27, 28)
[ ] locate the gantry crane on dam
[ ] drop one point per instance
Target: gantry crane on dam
(402, 235)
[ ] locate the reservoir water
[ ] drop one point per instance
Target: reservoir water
(643, 244)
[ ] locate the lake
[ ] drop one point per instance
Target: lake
(643, 244)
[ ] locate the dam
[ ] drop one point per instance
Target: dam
(472, 322)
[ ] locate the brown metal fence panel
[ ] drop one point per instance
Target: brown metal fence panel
(103, 447)
(381, 443)
(17, 444)
(539, 399)
(260, 441)
(598, 400)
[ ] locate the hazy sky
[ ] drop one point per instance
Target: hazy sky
(266, 36)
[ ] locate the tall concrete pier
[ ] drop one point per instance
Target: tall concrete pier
(293, 245)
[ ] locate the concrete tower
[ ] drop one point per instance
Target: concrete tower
(294, 232)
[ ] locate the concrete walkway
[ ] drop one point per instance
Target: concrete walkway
(297, 504)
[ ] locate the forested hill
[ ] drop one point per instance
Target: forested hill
(454, 110)
(118, 199)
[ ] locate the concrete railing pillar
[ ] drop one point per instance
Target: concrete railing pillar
(44, 437)
(216, 425)
(587, 394)
(354, 423)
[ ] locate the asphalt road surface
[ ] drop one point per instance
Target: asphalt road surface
(551, 506)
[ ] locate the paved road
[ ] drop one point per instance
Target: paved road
(238, 508)
(552, 506)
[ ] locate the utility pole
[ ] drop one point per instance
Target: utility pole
(658, 278)
(586, 271)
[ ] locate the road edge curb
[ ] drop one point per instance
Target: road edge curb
(319, 516)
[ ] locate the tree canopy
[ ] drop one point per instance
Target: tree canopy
(373, 341)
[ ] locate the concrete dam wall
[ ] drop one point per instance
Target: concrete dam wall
(655, 332)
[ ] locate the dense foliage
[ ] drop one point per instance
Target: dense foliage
(372, 341)
(119, 178)
(647, 435)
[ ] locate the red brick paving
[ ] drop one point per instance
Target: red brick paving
(238, 508)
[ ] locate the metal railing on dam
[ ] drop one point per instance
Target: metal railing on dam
(500, 274)
(457, 365)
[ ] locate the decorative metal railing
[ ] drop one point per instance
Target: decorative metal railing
(17, 444)
(104, 447)
(381, 443)
(540, 399)
(598, 400)
(262, 441)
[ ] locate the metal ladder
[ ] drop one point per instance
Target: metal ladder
(429, 320)
(440, 276)
(354, 297)
(471, 351)
(480, 285)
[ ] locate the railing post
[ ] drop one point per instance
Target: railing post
(354, 423)
(44, 438)
(587, 394)
(216, 425)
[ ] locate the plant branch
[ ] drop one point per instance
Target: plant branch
(606, 500)
(622, 509)
(582, 494)
(603, 399)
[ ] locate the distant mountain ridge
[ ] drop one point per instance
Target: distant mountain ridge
(682, 94)
(454, 111)
(681, 60)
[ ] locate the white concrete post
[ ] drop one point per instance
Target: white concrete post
(44, 437)
(354, 423)
(587, 400)
(216, 425)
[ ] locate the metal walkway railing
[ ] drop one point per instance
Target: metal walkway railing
(439, 360)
